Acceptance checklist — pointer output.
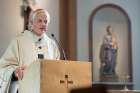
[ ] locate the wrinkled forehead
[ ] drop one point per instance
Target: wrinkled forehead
(39, 13)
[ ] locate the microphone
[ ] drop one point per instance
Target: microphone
(60, 47)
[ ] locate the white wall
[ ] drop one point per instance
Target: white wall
(11, 22)
(84, 9)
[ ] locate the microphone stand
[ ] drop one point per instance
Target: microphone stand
(60, 47)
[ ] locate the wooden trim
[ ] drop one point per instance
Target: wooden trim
(68, 27)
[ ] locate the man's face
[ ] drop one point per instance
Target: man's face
(39, 23)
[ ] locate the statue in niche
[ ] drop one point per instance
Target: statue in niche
(108, 53)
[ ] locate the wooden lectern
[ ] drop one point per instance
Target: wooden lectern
(56, 76)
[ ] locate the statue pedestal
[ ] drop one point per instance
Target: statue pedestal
(109, 78)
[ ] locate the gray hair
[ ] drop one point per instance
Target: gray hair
(32, 17)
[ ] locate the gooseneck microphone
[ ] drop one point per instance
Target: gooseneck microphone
(60, 47)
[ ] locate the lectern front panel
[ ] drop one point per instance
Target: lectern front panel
(61, 76)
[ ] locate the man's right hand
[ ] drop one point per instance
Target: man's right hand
(19, 72)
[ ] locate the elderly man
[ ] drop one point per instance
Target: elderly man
(27, 48)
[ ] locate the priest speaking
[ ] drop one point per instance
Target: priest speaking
(26, 48)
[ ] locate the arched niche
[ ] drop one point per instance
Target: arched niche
(100, 18)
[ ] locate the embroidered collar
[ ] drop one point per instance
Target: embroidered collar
(42, 39)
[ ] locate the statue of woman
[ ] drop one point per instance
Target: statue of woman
(108, 52)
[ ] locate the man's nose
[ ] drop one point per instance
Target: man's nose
(44, 24)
